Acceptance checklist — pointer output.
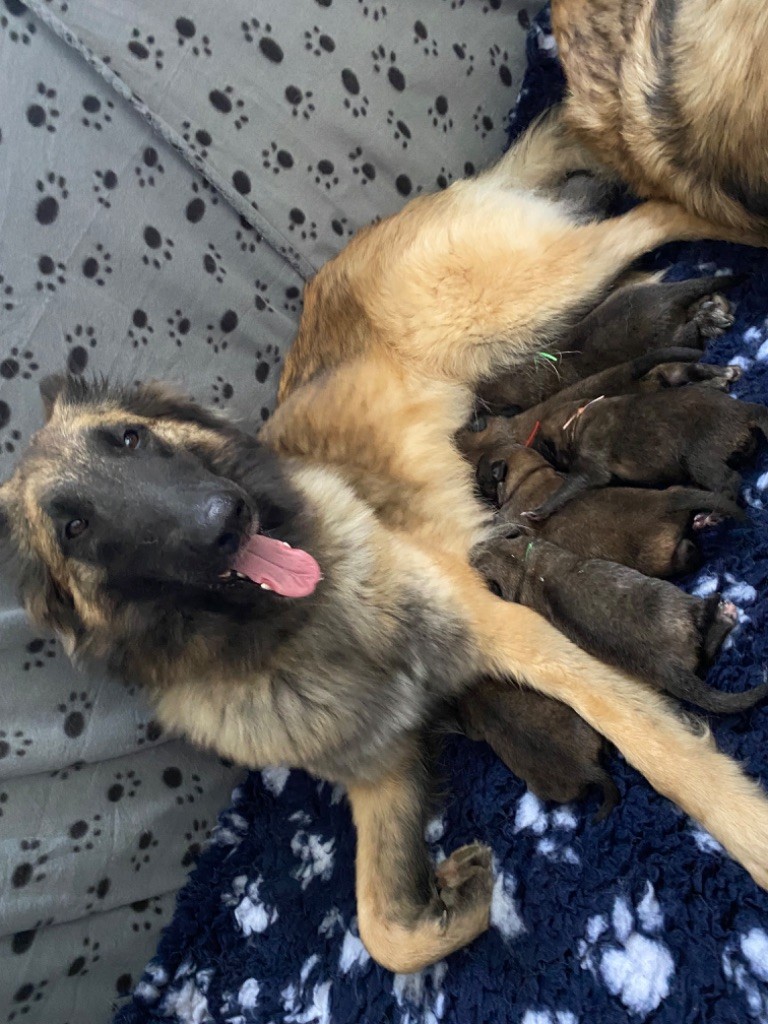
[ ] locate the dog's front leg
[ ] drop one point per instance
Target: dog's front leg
(675, 754)
(410, 915)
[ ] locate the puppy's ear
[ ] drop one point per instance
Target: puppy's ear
(50, 389)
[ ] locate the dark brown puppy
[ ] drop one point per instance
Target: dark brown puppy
(650, 627)
(647, 530)
(633, 321)
(660, 369)
(681, 436)
(671, 95)
(542, 741)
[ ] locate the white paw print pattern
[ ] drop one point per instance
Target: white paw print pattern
(419, 996)
(305, 1003)
(531, 816)
(187, 998)
(548, 1017)
(316, 855)
(245, 999)
(745, 965)
(627, 955)
(252, 914)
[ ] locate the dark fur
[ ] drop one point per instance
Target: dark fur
(642, 625)
(632, 322)
(682, 436)
(540, 740)
(648, 530)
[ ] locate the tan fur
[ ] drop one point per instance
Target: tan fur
(671, 94)
(396, 333)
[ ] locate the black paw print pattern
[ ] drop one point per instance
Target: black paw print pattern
(39, 652)
(199, 140)
(324, 174)
(261, 299)
(276, 159)
(339, 226)
(387, 59)
(202, 193)
(189, 791)
(298, 223)
(43, 112)
(444, 178)
(247, 237)
(213, 265)
(373, 10)
(266, 361)
(195, 837)
(500, 60)
(14, 18)
(439, 114)
(75, 713)
(226, 102)
(461, 50)
(179, 327)
(124, 784)
(96, 266)
(81, 338)
(11, 437)
(400, 130)
(300, 101)
(318, 42)
(14, 743)
(292, 303)
(51, 274)
(106, 181)
(97, 891)
(160, 248)
(355, 102)
(422, 38)
(482, 122)
(27, 871)
(221, 391)
(141, 330)
(6, 294)
(148, 732)
(151, 908)
(217, 336)
(85, 959)
(19, 363)
(143, 48)
(144, 846)
(27, 995)
(364, 168)
(83, 832)
(52, 191)
(149, 168)
(261, 34)
(98, 112)
(187, 36)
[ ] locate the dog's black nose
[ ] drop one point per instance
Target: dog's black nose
(221, 518)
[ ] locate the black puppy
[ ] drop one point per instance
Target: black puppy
(682, 436)
(542, 741)
(647, 627)
(632, 321)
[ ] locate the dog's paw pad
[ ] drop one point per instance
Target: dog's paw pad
(713, 315)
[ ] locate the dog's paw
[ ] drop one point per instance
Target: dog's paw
(713, 315)
(465, 879)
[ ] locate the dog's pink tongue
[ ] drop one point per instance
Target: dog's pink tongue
(290, 572)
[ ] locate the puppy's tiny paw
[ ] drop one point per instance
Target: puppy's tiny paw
(733, 373)
(465, 879)
(713, 315)
(728, 612)
(704, 519)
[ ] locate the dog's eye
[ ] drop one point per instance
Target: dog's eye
(131, 439)
(75, 527)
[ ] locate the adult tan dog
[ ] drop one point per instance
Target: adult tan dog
(672, 95)
(238, 640)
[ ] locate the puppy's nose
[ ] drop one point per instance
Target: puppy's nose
(221, 517)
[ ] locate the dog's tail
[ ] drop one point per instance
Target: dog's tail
(674, 354)
(692, 499)
(687, 686)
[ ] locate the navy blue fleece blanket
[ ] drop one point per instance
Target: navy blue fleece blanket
(638, 918)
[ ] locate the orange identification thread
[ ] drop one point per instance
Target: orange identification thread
(533, 433)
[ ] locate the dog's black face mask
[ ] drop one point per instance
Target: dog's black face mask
(163, 500)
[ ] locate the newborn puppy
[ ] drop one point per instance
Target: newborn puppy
(681, 436)
(542, 741)
(663, 368)
(648, 628)
(645, 529)
(632, 321)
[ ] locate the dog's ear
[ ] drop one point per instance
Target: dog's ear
(50, 389)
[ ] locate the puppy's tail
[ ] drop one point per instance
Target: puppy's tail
(692, 499)
(687, 686)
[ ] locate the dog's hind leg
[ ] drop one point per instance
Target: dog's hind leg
(410, 915)
(678, 759)
(581, 478)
